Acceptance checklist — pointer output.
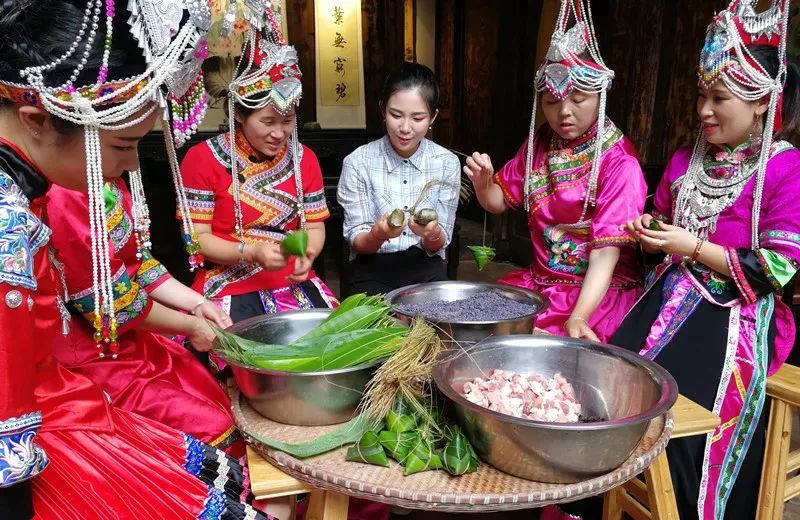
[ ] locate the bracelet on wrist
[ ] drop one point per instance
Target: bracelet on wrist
(580, 318)
(198, 304)
(696, 253)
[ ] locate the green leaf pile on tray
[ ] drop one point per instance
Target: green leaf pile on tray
(357, 332)
(412, 438)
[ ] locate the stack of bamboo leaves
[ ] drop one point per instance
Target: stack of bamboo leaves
(412, 438)
(357, 332)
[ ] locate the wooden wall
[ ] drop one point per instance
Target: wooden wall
(382, 32)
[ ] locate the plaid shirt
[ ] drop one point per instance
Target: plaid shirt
(375, 181)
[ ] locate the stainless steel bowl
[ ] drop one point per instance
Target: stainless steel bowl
(609, 382)
(299, 398)
(468, 332)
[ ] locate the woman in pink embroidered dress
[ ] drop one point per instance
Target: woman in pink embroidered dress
(578, 179)
(712, 313)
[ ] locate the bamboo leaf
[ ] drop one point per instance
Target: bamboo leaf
(361, 317)
(400, 418)
(368, 450)
(295, 243)
(347, 433)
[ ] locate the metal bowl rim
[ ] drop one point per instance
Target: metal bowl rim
(542, 300)
(669, 388)
(274, 317)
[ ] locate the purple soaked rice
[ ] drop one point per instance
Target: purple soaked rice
(484, 306)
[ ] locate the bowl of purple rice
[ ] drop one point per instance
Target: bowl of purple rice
(467, 312)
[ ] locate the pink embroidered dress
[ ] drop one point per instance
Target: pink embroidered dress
(720, 336)
(553, 196)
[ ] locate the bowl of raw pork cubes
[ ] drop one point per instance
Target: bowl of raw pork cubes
(553, 409)
(464, 313)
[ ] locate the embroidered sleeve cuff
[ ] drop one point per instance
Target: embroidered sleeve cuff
(776, 268)
(737, 273)
(131, 302)
(200, 204)
(613, 241)
(151, 274)
(316, 208)
(20, 457)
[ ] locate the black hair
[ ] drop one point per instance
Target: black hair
(36, 32)
(767, 57)
(412, 76)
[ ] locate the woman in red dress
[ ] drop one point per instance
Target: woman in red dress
(149, 374)
(66, 452)
(247, 188)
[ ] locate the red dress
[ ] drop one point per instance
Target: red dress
(152, 375)
(60, 439)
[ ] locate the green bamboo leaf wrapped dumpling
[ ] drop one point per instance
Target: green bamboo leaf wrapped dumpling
(422, 458)
(457, 457)
(400, 418)
(483, 255)
(368, 450)
(654, 226)
(295, 243)
(398, 444)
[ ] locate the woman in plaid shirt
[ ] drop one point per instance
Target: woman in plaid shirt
(390, 174)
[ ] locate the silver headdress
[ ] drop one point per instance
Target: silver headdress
(573, 62)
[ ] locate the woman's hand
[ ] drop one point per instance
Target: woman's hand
(208, 311)
(635, 229)
(672, 240)
(430, 232)
(577, 327)
(201, 336)
(480, 171)
(382, 231)
(302, 267)
(268, 256)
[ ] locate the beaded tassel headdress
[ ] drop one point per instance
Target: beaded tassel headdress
(725, 58)
(573, 62)
(267, 74)
(171, 34)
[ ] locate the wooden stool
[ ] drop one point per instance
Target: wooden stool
(784, 389)
(653, 498)
(267, 481)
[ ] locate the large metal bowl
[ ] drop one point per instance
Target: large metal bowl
(299, 398)
(465, 333)
(609, 382)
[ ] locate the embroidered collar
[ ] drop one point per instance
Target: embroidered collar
(722, 162)
(393, 160)
(19, 167)
(579, 153)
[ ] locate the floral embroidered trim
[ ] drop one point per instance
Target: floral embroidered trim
(130, 300)
(20, 457)
(732, 258)
(150, 271)
(509, 199)
(563, 281)
(22, 234)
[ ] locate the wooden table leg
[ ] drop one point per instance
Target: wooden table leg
(326, 505)
(773, 474)
(611, 507)
(660, 493)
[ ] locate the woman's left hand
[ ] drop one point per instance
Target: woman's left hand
(209, 311)
(302, 267)
(579, 328)
(429, 232)
(672, 240)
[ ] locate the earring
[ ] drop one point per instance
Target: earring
(35, 133)
(430, 128)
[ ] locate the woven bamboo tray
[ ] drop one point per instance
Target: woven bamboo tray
(483, 491)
